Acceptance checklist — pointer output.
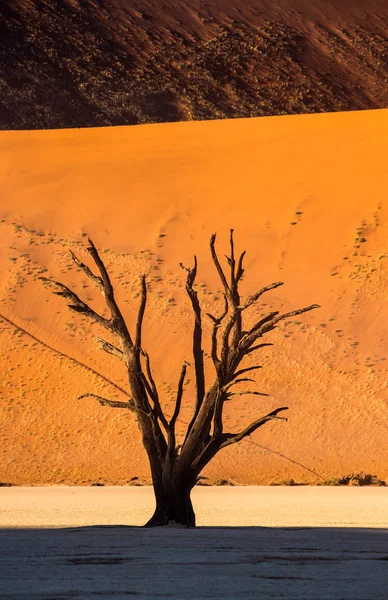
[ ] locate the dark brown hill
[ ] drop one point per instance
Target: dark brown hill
(77, 63)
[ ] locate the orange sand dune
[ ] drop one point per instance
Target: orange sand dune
(307, 198)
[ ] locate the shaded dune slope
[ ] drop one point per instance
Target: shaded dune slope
(86, 63)
(307, 198)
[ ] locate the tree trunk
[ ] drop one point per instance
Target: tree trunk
(173, 507)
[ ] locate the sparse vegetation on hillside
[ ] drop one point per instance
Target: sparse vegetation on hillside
(68, 64)
(354, 479)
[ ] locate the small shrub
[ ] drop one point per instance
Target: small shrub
(355, 479)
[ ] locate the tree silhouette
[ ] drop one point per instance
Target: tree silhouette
(175, 468)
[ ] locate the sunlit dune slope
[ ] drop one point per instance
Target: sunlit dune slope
(307, 197)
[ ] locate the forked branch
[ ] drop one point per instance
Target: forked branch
(197, 340)
(117, 321)
(140, 315)
(178, 401)
(217, 321)
(217, 263)
(112, 403)
(142, 384)
(235, 344)
(110, 348)
(233, 438)
(150, 386)
(88, 272)
(268, 324)
(254, 298)
(76, 304)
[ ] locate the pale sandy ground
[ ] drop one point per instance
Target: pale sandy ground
(307, 196)
(248, 506)
(252, 542)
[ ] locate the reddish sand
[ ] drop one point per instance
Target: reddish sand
(307, 198)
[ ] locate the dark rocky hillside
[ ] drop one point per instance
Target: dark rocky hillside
(80, 63)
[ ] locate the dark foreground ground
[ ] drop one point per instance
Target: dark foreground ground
(310, 543)
(80, 63)
(211, 562)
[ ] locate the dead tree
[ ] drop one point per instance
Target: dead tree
(175, 468)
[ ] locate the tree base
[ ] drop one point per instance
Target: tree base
(169, 525)
(177, 512)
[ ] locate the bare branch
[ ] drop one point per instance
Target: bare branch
(233, 327)
(101, 267)
(110, 348)
(216, 325)
(76, 304)
(232, 438)
(191, 273)
(236, 318)
(294, 313)
(263, 326)
(237, 381)
(268, 324)
(149, 372)
(246, 370)
(240, 270)
(217, 262)
(218, 320)
(112, 403)
(263, 321)
(117, 321)
(171, 448)
(140, 315)
(258, 347)
(178, 401)
(249, 392)
(209, 450)
(232, 263)
(218, 410)
(225, 337)
(97, 280)
(197, 341)
(152, 391)
(234, 324)
(236, 344)
(252, 299)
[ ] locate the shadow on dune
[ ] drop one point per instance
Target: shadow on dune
(207, 562)
(99, 63)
